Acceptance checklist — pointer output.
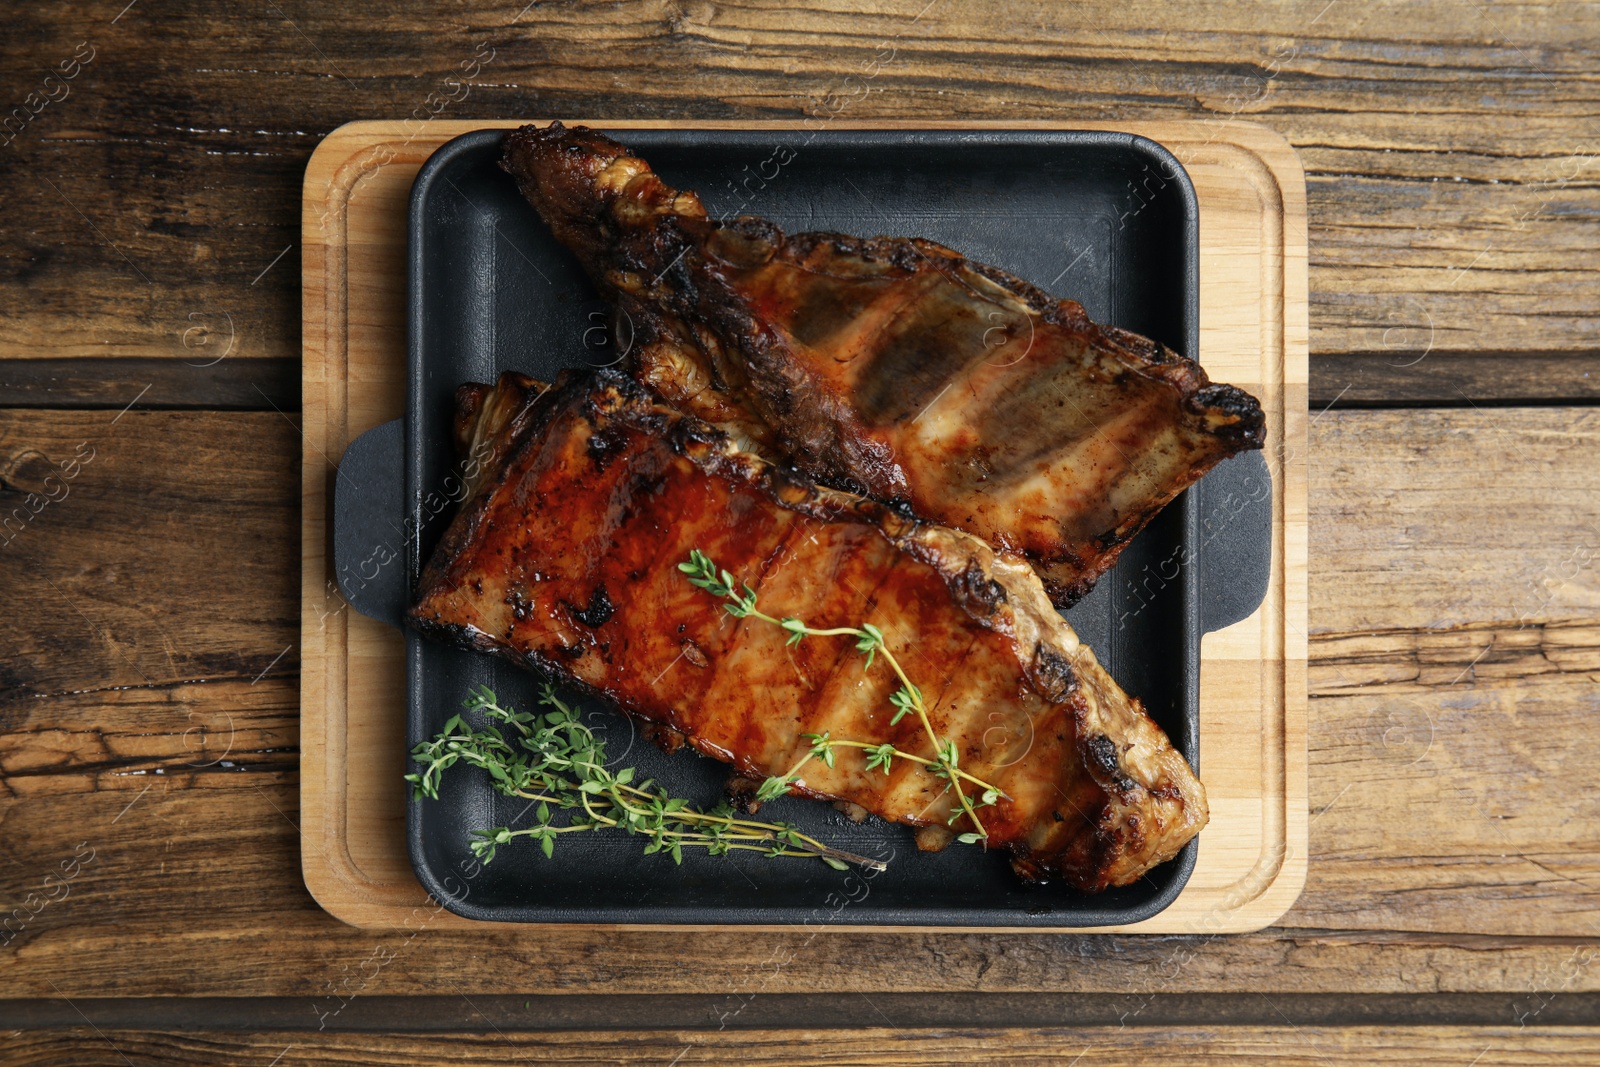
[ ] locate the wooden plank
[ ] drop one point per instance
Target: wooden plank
(1086, 1047)
(205, 379)
(1454, 666)
(1451, 154)
(1458, 685)
(1443, 781)
(1346, 380)
(126, 737)
(1251, 707)
(553, 1012)
(1455, 379)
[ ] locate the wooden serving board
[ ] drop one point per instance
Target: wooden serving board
(1253, 333)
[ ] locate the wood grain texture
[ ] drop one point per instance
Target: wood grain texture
(201, 381)
(1451, 152)
(1251, 705)
(844, 1011)
(1442, 794)
(184, 146)
(125, 738)
(1412, 519)
(1455, 677)
(1455, 380)
(117, 529)
(1426, 1046)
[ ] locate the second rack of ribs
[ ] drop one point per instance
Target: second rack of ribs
(893, 366)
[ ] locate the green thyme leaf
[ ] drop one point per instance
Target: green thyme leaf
(870, 641)
(821, 747)
(881, 756)
(772, 789)
(795, 629)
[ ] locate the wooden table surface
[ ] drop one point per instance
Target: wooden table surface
(149, 388)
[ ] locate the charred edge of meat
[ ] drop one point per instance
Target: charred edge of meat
(1246, 428)
(1101, 754)
(1084, 574)
(465, 638)
(741, 793)
(1053, 674)
(978, 593)
(1066, 593)
(814, 423)
(748, 241)
(666, 738)
(469, 402)
(581, 155)
(506, 426)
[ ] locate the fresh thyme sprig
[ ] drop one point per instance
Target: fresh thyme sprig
(870, 641)
(553, 759)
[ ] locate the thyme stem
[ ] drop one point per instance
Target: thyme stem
(558, 763)
(914, 758)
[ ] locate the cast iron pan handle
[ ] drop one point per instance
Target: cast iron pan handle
(369, 544)
(1235, 532)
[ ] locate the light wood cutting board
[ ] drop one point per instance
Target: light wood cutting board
(1253, 333)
